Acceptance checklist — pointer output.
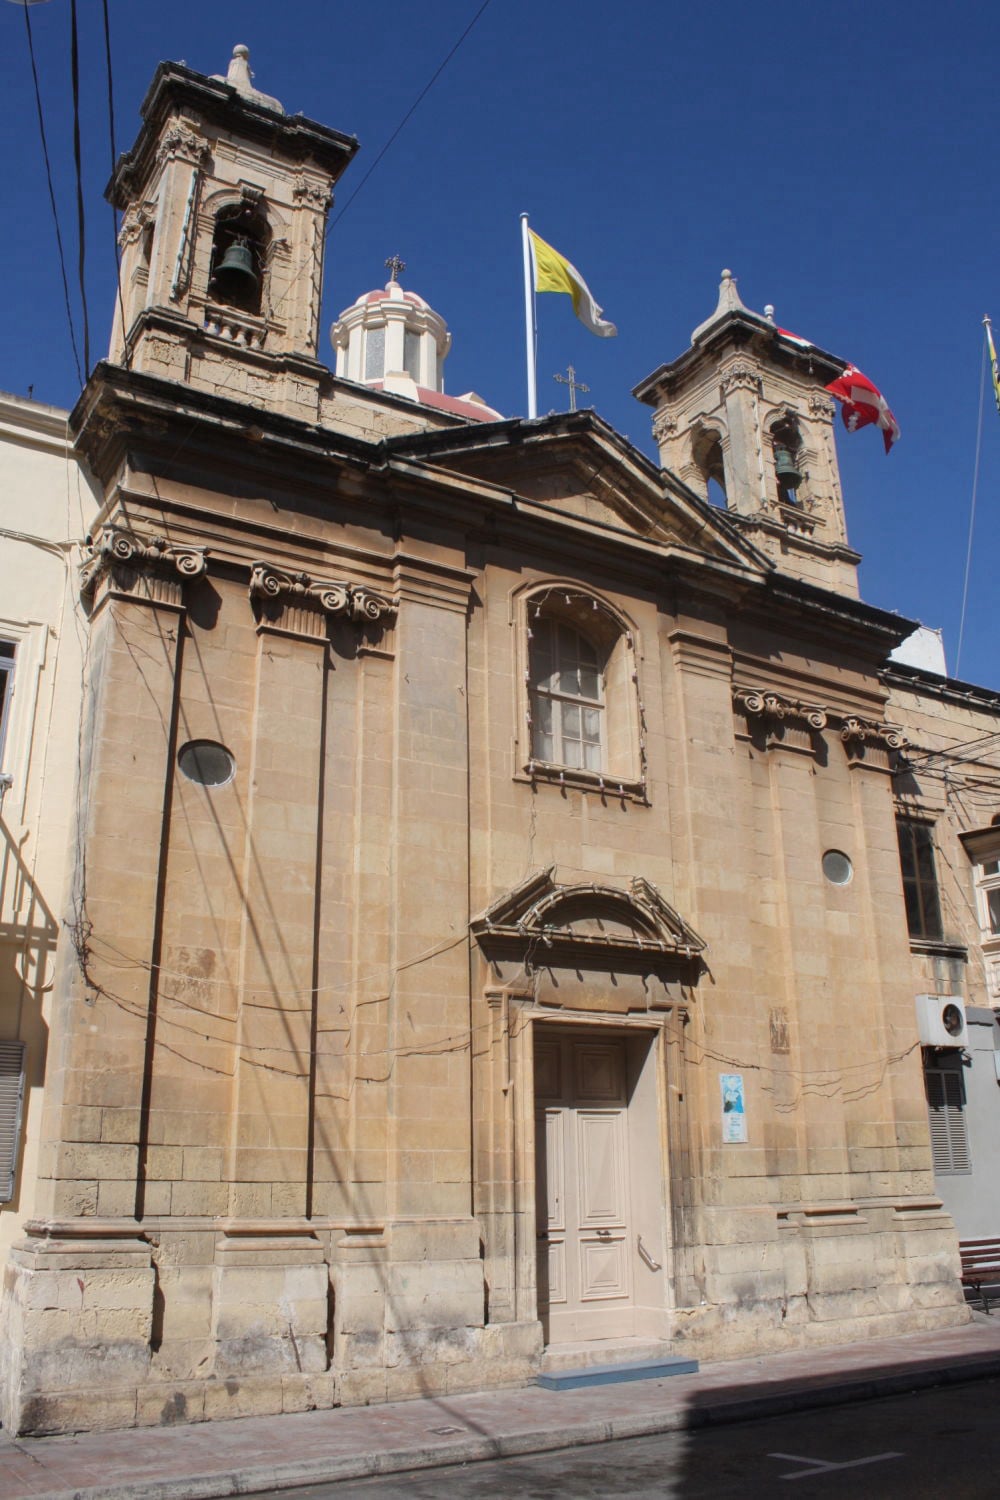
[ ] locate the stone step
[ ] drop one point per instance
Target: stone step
(632, 1349)
(646, 1369)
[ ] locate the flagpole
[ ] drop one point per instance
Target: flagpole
(530, 332)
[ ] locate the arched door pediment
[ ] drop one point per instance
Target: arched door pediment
(546, 924)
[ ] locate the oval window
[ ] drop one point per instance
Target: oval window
(837, 867)
(206, 763)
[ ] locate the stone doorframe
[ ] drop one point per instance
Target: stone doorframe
(583, 956)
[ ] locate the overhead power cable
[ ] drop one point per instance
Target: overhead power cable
(52, 195)
(114, 159)
(410, 112)
(74, 52)
(972, 513)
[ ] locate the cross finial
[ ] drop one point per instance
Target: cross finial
(574, 385)
(395, 267)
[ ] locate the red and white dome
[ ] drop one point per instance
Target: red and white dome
(392, 340)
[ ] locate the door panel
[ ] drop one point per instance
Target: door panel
(584, 1226)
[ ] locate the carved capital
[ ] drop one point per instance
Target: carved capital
(859, 734)
(821, 406)
(181, 143)
(129, 564)
(781, 720)
(298, 603)
(316, 194)
(135, 220)
(741, 377)
(664, 426)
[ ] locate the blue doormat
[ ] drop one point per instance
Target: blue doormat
(647, 1369)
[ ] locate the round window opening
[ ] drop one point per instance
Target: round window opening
(837, 867)
(205, 762)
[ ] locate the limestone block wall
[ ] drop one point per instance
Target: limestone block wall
(289, 1152)
(827, 1217)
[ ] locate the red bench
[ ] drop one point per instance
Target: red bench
(980, 1266)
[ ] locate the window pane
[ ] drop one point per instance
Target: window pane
(411, 354)
(920, 888)
(6, 686)
(542, 747)
(589, 686)
(992, 867)
(374, 353)
(566, 694)
(993, 909)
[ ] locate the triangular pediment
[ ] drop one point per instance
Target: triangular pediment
(547, 921)
(577, 466)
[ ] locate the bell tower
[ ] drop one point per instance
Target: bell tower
(225, 199)
(743, 418)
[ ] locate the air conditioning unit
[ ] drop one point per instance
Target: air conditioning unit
(941, 1021)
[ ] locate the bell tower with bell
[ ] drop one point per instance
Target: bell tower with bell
(743, 418)
(225, 200)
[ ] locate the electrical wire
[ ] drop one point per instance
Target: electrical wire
(52, 195)
(74, 51)
(972, 512)
(109, 73)
(409, 113)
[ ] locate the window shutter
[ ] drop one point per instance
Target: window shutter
(11, 1104)
(949, 1137)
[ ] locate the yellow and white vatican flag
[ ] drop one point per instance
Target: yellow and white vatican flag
(545, 270)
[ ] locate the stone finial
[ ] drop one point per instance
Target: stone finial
(239, 77)
(239, 74)
(729, 301)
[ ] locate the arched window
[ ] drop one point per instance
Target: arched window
(581, 710)
(567, 696)
(239, 257)
(707, 453)
(788, 470)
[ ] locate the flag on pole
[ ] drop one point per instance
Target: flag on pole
(861, 402)
(994, 368)
(554, 273)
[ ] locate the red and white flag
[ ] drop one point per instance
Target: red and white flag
(862, 403)
(793, 338)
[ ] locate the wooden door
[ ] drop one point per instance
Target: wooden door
(583, 1222)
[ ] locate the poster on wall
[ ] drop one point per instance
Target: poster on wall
(734, 1115)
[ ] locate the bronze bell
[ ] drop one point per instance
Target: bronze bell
(784, 467)
(235, 272)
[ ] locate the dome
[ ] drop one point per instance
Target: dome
(392, 292)
(391, 340)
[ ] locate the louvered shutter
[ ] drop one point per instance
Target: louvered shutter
(11, 1103)
(946, 1106)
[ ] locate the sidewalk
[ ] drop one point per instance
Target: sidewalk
(257, 1453)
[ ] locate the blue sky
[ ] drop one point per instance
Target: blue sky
(840, 159)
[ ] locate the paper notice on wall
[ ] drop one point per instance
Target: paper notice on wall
(734, 1115)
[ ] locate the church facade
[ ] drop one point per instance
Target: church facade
(486, 934)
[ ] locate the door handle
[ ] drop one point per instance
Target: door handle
(604, 1234)
(654, 1265)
